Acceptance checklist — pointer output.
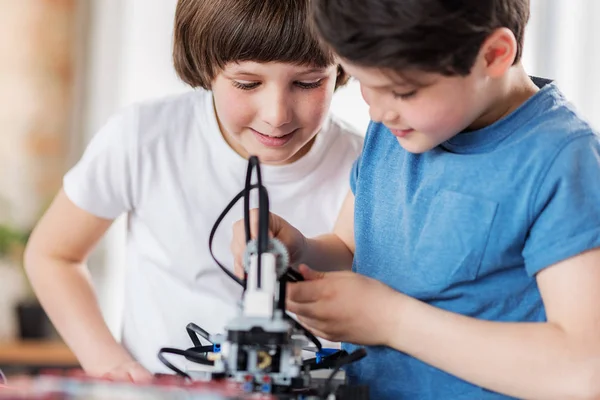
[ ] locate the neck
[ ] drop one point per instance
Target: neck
(512, 90)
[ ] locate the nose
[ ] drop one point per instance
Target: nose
(379, 109)
(277, 108)
(381, 112)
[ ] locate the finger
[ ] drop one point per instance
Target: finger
(238, 238)
(116, 376)
(310, 274)
(253, 223)
(274, 223)
(315, 311)
(317, 328)
(239, 269)
(140, 375)
(238, 241)
(303, 310)
(305, 292)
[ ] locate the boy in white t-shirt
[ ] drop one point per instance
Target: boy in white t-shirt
(265, 86)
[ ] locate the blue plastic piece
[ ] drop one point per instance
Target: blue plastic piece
(216, 348)
(324, 353)
(266, 388)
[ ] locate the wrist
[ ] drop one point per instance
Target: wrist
(392, 322)
(304, 249)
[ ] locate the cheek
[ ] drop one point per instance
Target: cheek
(439, 117)
(313, 108)
(233, 110)
(365, 94)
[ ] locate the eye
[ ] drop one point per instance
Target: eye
(309, 85)
(404, 96)
(245, 85)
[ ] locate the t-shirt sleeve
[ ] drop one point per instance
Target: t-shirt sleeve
(101, 183)
(566, 209)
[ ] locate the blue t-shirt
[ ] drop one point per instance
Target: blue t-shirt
(467, 225)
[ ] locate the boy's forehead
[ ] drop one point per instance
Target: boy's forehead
(376, 77)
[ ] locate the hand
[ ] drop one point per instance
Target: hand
(294, 241)
(345, 306)
(129, 371)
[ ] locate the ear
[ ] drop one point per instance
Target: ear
(341, 78)
(498, 52)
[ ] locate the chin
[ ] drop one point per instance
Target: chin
(415, 147)
(271, 157)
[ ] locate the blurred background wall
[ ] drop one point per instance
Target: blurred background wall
(40, 56)
(67, 65)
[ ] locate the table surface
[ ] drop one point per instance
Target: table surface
(36, 352)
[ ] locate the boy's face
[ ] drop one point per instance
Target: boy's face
(422, 110)
(272, 110)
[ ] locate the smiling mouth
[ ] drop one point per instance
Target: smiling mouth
(273, 141)
(273, 136)
(401, 132)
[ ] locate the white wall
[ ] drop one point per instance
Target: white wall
(146, 51)
(102, 79)
(130, 61)
(561, 44)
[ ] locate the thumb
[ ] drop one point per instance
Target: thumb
(310, 274)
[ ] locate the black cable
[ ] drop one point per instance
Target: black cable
(292, 274)
(214, 230)
(194, 331)
(263, 228)
(163, 359)
(282, 293)
(356, 355)
(245, 193)
(326, 362)
(252, 161)
(190, 355)
(263, 214)
(201, 349)
(306, 332)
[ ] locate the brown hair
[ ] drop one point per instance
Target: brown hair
(442, 36)
(211, 33)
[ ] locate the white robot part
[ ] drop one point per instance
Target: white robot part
(259, 300)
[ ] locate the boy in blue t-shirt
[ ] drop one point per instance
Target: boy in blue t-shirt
(473, 225)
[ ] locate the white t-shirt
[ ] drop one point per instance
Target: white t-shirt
(166, 164)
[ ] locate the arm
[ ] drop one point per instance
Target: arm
(330, 252)
(559, 359)
(55, 262)
(334, 251)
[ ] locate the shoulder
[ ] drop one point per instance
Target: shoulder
(557, 128)
(171, 116)
(141, 128)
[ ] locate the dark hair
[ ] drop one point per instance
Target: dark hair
(441, 36)
(211, 33)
